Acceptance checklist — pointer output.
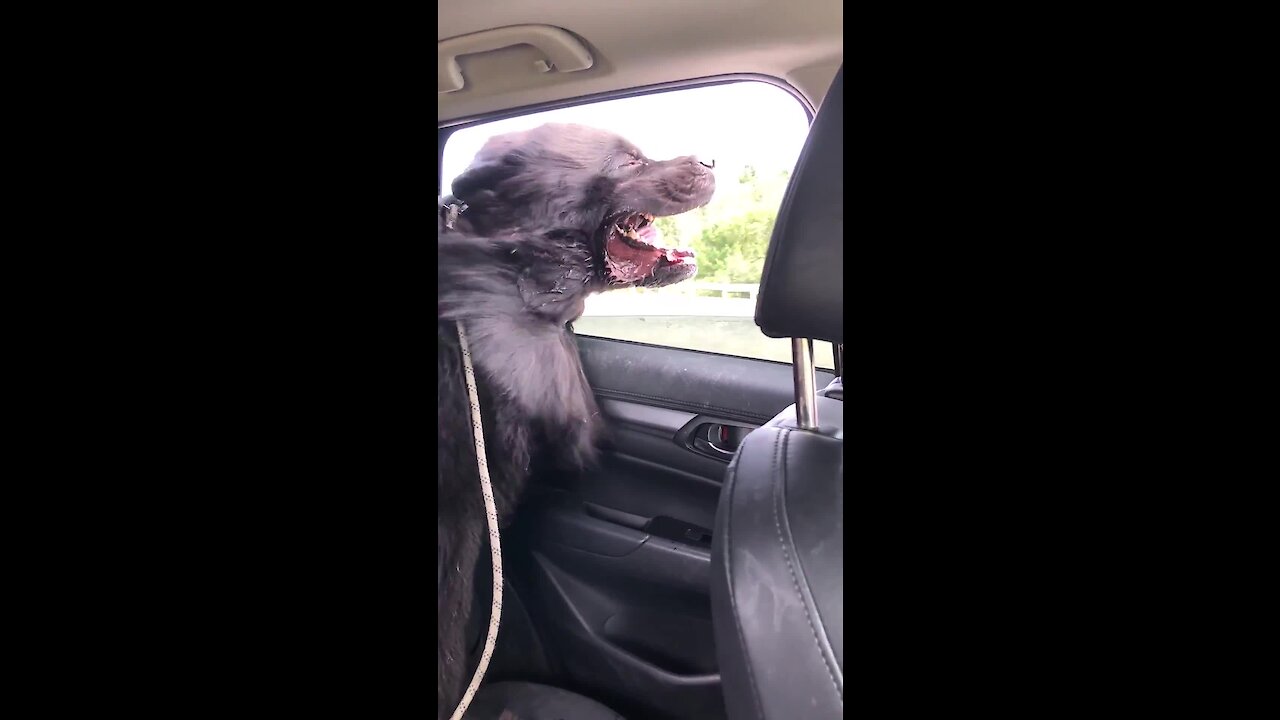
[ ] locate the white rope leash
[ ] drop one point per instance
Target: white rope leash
(490, 509)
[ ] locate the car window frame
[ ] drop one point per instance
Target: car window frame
(445, 129)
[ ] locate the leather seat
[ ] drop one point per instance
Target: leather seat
(519, 652)
(531, 701)
(777, 588)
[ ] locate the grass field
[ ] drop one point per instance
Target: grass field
(727, 335)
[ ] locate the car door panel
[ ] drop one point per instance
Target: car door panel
(616, 563)
(700, 382)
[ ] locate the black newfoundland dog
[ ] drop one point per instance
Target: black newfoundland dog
(540, 220)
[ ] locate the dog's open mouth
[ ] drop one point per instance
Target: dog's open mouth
(633, 253)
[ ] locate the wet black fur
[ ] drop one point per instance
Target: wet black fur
(515, 269)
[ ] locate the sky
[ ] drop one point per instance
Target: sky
(737, 124)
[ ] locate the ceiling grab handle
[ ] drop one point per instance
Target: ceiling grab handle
(564, 51)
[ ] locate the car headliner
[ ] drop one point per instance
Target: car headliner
(635, 44)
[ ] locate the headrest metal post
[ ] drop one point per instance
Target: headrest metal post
(806, 392)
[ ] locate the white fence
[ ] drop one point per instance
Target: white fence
(690, 298)
(710, 289)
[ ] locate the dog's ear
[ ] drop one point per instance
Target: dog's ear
(496, 162)
(478, 178)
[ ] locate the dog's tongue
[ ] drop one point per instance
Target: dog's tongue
(628, 264)
(651, 234)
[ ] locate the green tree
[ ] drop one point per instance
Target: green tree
(731, 235)
(671, 235)
(751, 179)
(733, 251)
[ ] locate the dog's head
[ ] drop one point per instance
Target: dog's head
(575, 178)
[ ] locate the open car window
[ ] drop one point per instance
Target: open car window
(753, 131)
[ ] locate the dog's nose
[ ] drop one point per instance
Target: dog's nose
(695, 159)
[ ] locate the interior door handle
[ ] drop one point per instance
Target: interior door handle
(722, 439)
(713, 437)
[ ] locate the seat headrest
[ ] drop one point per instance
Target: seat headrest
(802, 288)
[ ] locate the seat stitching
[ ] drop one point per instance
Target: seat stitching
(795, 582)
(728, 568)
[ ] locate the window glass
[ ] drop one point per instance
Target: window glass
(754, 132)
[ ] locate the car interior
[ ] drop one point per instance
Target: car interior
(697, 571)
